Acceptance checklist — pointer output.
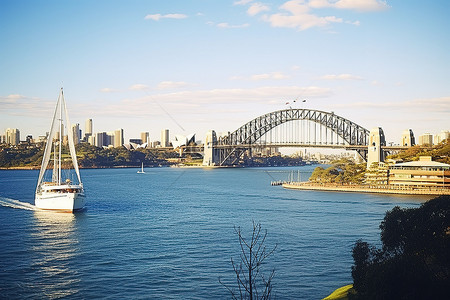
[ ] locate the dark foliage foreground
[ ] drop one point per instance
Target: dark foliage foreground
(414, 261)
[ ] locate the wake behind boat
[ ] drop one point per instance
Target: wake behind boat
(63, 191)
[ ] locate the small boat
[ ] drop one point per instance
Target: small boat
(141, 171)
(63, 191)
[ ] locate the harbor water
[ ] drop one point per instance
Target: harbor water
(169, 234)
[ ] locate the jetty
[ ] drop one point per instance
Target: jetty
(381, 189)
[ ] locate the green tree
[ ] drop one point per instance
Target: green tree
(413, 262)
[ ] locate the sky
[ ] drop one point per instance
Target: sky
(195, 65)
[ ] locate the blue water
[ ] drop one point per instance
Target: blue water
(169, 234)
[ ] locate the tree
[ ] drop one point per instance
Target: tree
(251, 282)
(413, 262)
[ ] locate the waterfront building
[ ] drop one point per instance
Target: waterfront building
(424, 173)
(181, 140)
(165, 138)
(408, 138)
(12, 136)
(426, 139)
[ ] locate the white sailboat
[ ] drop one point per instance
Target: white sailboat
(62, 192)
(141, 171)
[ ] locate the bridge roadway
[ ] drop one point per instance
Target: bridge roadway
(200, 148)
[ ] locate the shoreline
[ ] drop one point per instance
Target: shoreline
(113, 167)
(360, 189)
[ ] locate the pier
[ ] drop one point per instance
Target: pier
(364, 189)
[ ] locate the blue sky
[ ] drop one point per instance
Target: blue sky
(140, 65)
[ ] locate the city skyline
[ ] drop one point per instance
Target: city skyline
(190, 67)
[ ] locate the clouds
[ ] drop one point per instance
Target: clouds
(165, 85)
(357, 5)
(257, 8)
(157, 17)
(138, 87)
(303, 14)
(296, 14)
(226, 25)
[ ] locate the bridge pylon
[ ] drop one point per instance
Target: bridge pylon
(211, 153)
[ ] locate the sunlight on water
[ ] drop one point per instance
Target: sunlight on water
(16, 204)
(55, 250)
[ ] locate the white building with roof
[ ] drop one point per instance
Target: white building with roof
(424, 173)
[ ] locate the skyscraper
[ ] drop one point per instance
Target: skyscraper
(12, 136)
(76, 132)
(426, 139)
(145, 137)
(88, 130)
(118, 138)
(165, 138)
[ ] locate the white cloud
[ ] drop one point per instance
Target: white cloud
(341, 77)
(138, 87)
(297, 14)
(164, 85)
(358, 5)
(362, 5)
(242, 2)
(256, 8)
(302, 14)
(157, 17)
(226, 25)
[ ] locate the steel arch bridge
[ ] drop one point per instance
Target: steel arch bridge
(344, 133)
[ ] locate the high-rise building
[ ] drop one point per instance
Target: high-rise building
(101, 139)
(76, 132)
(145, 137)
(408, 138)
(88, 130)
(12, 136)
(426, 139)
(165, 138)
(439, 138)
(91, 140)
(118, 138)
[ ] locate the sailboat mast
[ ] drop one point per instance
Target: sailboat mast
(60, 136)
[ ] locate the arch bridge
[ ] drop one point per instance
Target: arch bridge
(286, 128)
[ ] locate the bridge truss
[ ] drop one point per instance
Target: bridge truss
(291, 127)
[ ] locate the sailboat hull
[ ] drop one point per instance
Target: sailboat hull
(64, 202)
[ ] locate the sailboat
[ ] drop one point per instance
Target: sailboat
(142, 169)
(63, 191)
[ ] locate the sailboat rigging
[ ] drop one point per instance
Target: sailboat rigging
(62, 193)
(142, 169)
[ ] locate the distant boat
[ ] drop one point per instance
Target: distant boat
(141, 171)
(62, 192)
